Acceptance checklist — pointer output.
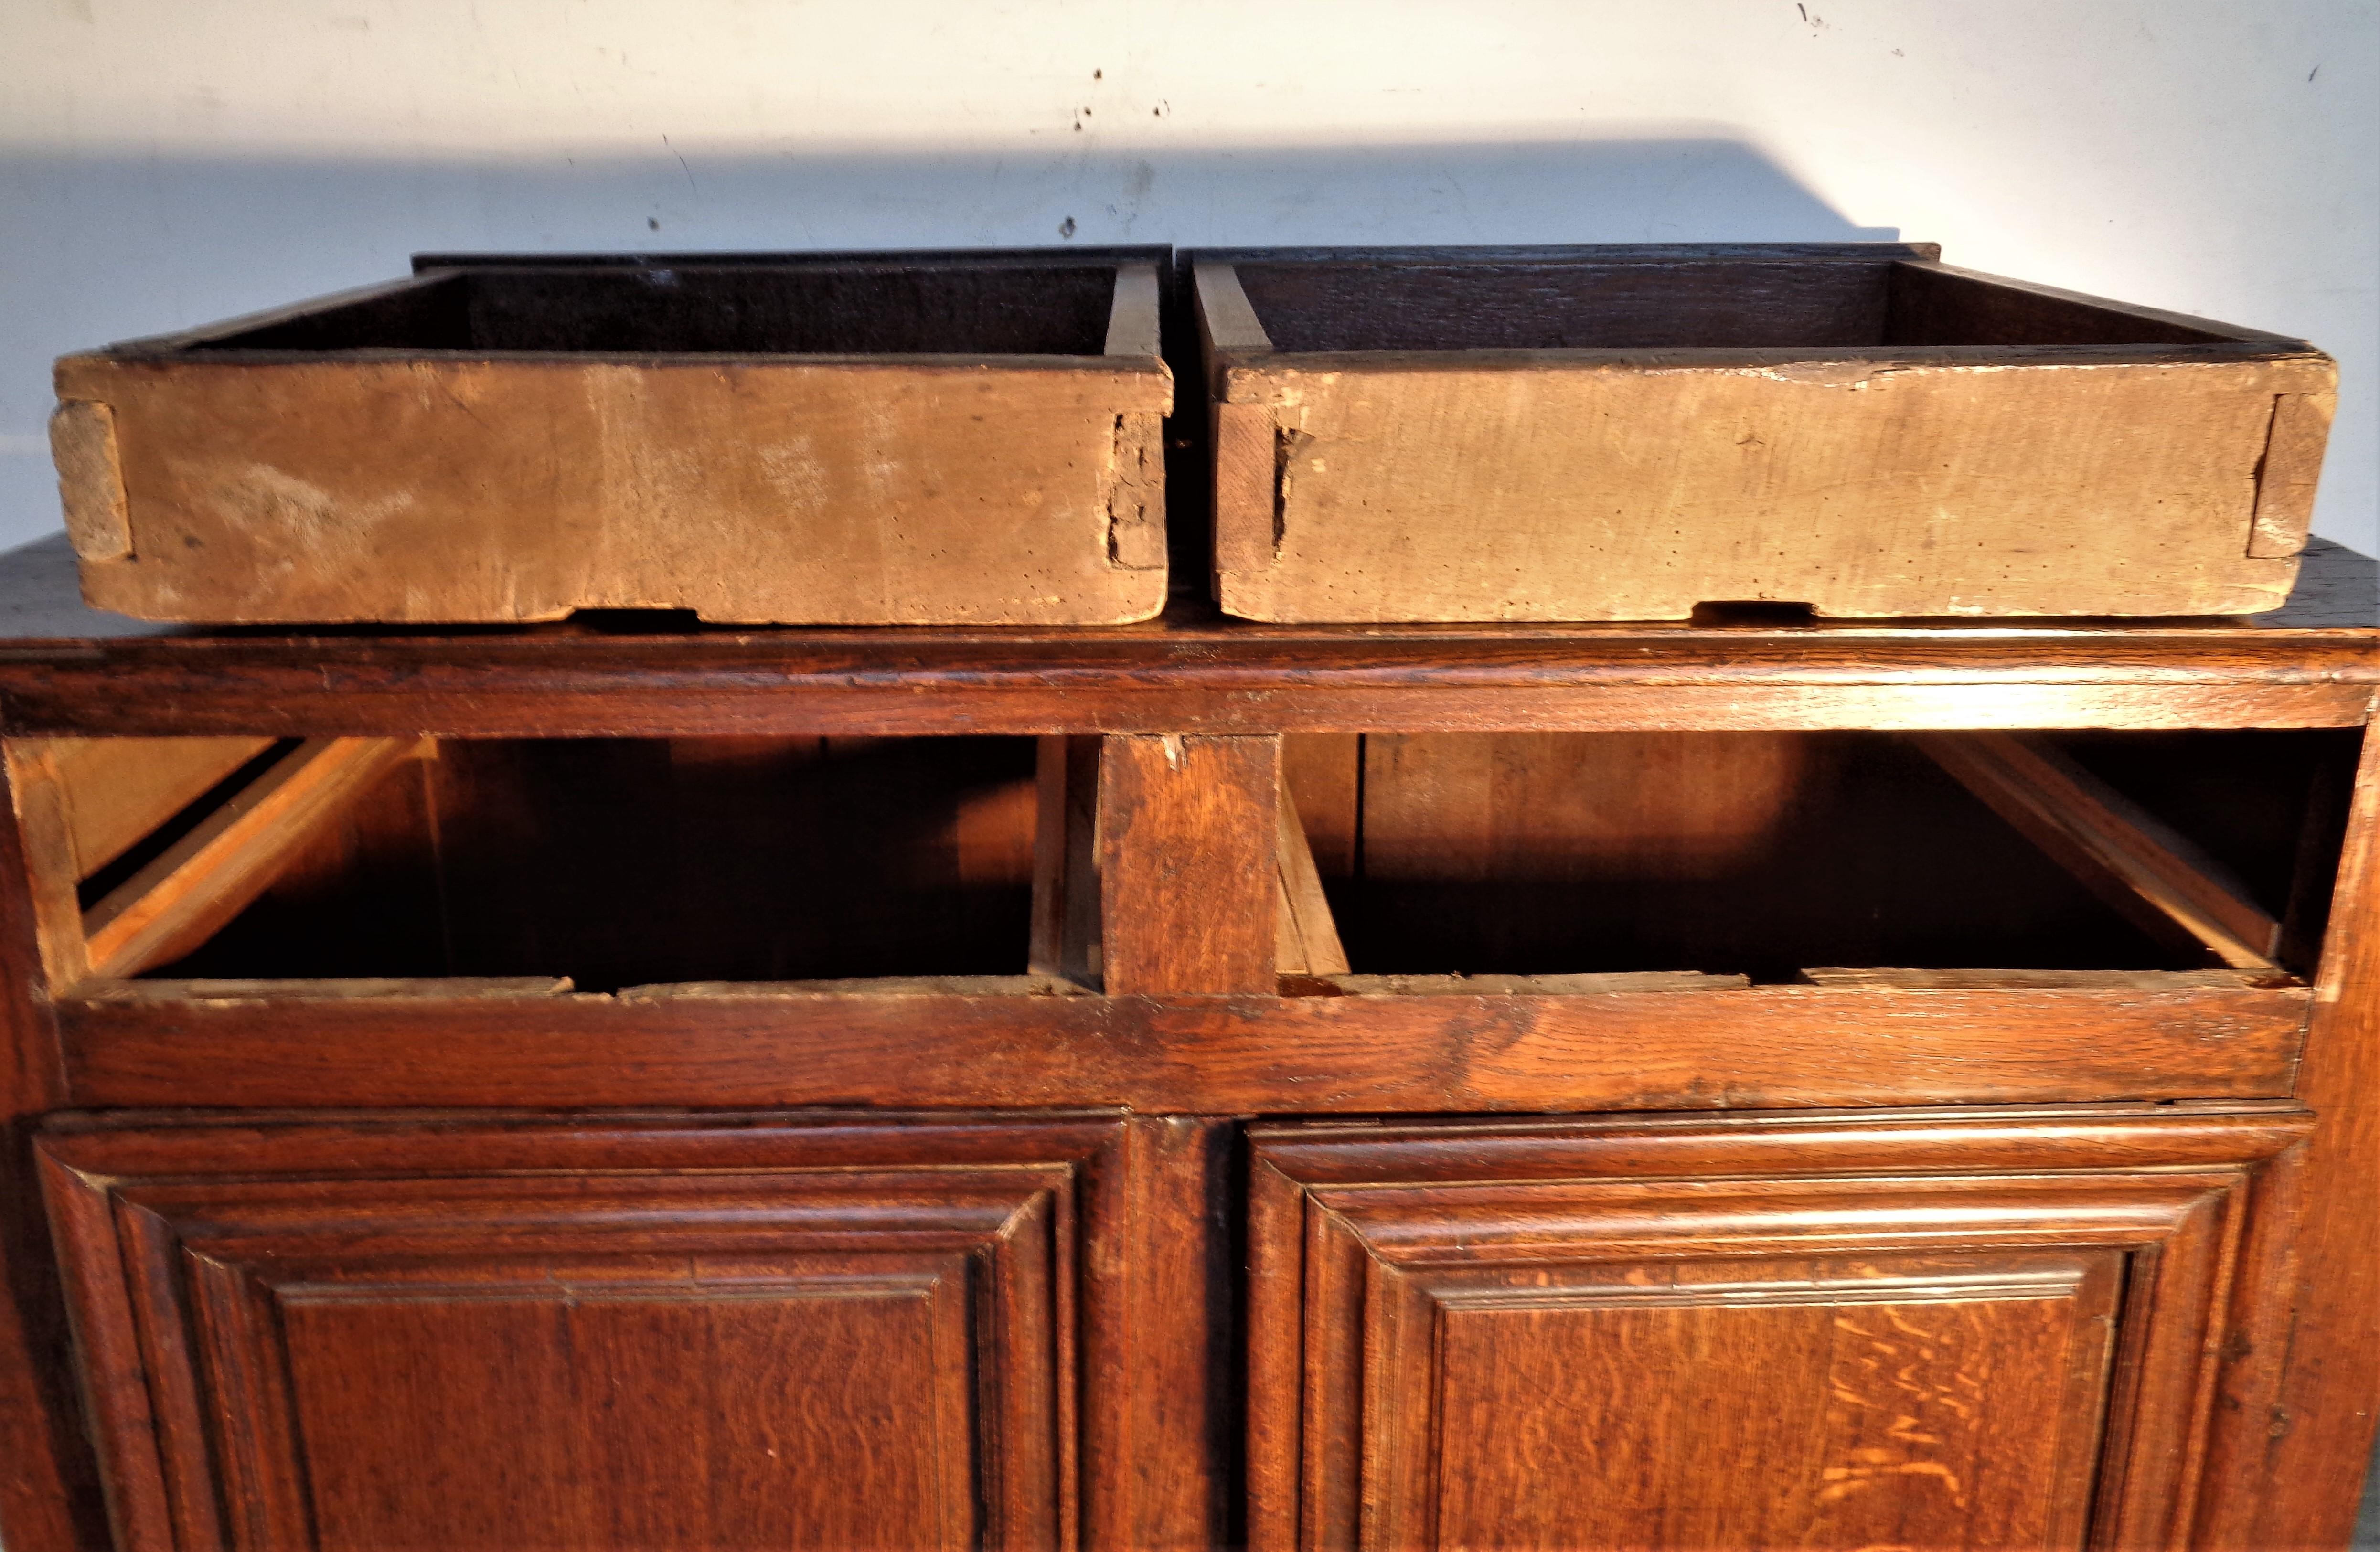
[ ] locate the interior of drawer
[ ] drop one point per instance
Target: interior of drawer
(1672, 304)
(768, 309)
(611, 862)
(1774, 855)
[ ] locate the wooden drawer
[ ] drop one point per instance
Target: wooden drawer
(1628, 432)
(823, 1331)
(1925, 1330)
(871, 441)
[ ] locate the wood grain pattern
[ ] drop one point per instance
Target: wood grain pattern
(1187, 885)
(517, 443)
(832, 1332)
(50, 1498)
(1869, 488)
(1657, 1048)
(1066, 912)
(43, 830)
(2126, 855)
(1381, 452)
(1780, 1352)
(1306, 939)
(1201, 677)
(118, 791)
(1324, 774)
(192, 888)
(2312, 1458)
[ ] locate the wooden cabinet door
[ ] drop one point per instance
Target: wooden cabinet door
(651, 1334)
(1689, 1333)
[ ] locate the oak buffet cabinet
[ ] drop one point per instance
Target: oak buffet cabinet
(1741, 1083)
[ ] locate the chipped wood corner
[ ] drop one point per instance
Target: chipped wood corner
(91, 479)
(2287, 473)
(1136, 495)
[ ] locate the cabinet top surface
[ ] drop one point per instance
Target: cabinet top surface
(65, 667)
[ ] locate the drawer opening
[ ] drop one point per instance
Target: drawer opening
(1738, 303)
(533, 865)
(1834, 858)
(829, 309)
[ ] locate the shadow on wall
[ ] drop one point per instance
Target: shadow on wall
(103, 250)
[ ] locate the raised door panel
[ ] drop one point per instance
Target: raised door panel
(1688, 1333)
(657, 1335)
(1890, 1401)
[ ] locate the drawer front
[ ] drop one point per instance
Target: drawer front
(817, 1334)
(1810, 1332)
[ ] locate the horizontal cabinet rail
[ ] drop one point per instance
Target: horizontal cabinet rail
(2192, 1035)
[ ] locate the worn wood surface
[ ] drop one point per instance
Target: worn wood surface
(1661, 1047)
(902, 1331)
(706, 818)
(68, 669)
(659, 448)
(50, 1498)
(1187, 877)
(1780, 1354)
(1190, 682)
(2314, 1456)
(1806, 441)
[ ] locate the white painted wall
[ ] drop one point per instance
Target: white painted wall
(164, 163)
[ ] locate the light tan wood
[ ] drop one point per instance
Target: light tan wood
(360, 987)
(1226, 321)
(868, 986)
(46, 828)
(202, 880)
(2285, 480)
(91, 479)
(845, 491)
(1422, 490)
(119, 790)
(1594, 984)
(2042, 980)
(2109, 841)
(1307, 935)
(1133, 324)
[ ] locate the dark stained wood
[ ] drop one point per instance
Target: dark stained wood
(49, 1487)
(1178, 1361)
(1196, 1054)
(2315, 1452)
(512, 688)
(833, 1332)
(769, 819)
(1649, 303)
(1934, 303)
(1719, 1331)
(71, 671)
(1186, 847)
